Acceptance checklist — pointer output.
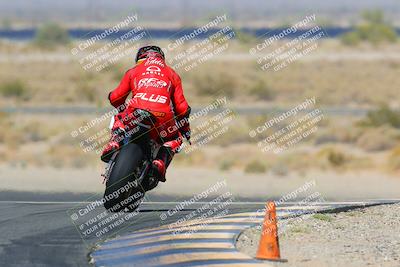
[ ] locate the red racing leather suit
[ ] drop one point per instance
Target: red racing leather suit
(157, 88)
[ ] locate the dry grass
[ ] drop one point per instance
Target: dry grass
(378, 139)
(45, 140)
(354, 82)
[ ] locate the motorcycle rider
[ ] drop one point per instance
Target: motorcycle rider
(156, 88)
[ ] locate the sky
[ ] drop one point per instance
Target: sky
(250, 12)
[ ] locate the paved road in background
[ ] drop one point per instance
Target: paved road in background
(93, 111)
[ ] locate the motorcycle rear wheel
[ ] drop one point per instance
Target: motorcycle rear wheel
(121, 182)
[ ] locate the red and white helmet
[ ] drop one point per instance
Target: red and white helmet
(149, 51)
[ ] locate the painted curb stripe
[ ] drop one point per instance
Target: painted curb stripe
(211, 244)
(155, 248)
(204, 229)
(193, 237)
(176, 258)
(165, 242)
(222, 263)
(234, 264)
(126, 257)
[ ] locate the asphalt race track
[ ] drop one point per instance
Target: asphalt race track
(36, 234)
(42, 234)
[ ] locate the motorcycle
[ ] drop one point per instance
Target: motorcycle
(129, 173)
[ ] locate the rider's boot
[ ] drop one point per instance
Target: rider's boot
(159, 169)
(164, 158)
(160, 164)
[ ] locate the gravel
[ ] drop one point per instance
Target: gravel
(361, 237)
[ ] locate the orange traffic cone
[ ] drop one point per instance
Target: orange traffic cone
(268, 248)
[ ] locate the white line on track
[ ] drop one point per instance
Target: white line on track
(204, 202)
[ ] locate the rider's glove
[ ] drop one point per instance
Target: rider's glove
(184, 128)
(186, 134)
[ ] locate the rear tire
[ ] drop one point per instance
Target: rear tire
(123, 172)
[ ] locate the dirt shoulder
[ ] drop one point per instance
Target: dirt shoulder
(184, 182)
(362, 237)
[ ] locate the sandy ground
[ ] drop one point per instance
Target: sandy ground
(183, 182)
(362, 237)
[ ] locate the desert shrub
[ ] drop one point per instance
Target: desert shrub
(338, 134)
(373, 30)
(215, 85)
(333, 157)
(336, 158)
(261, 91)
(87, 92)
(378, 139)
(322, 217)
(381, 116)
(293, 161)
(255, 166)
(226, 164)
(32, 132)
(117, 71)
(15, 89)
(244, 37)
(65, 155)
(351, 38)
(50, 35)
(254, 121)
(348, 134)
(280, 168)
(196, 157)
(236, 133)
(297, 229)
